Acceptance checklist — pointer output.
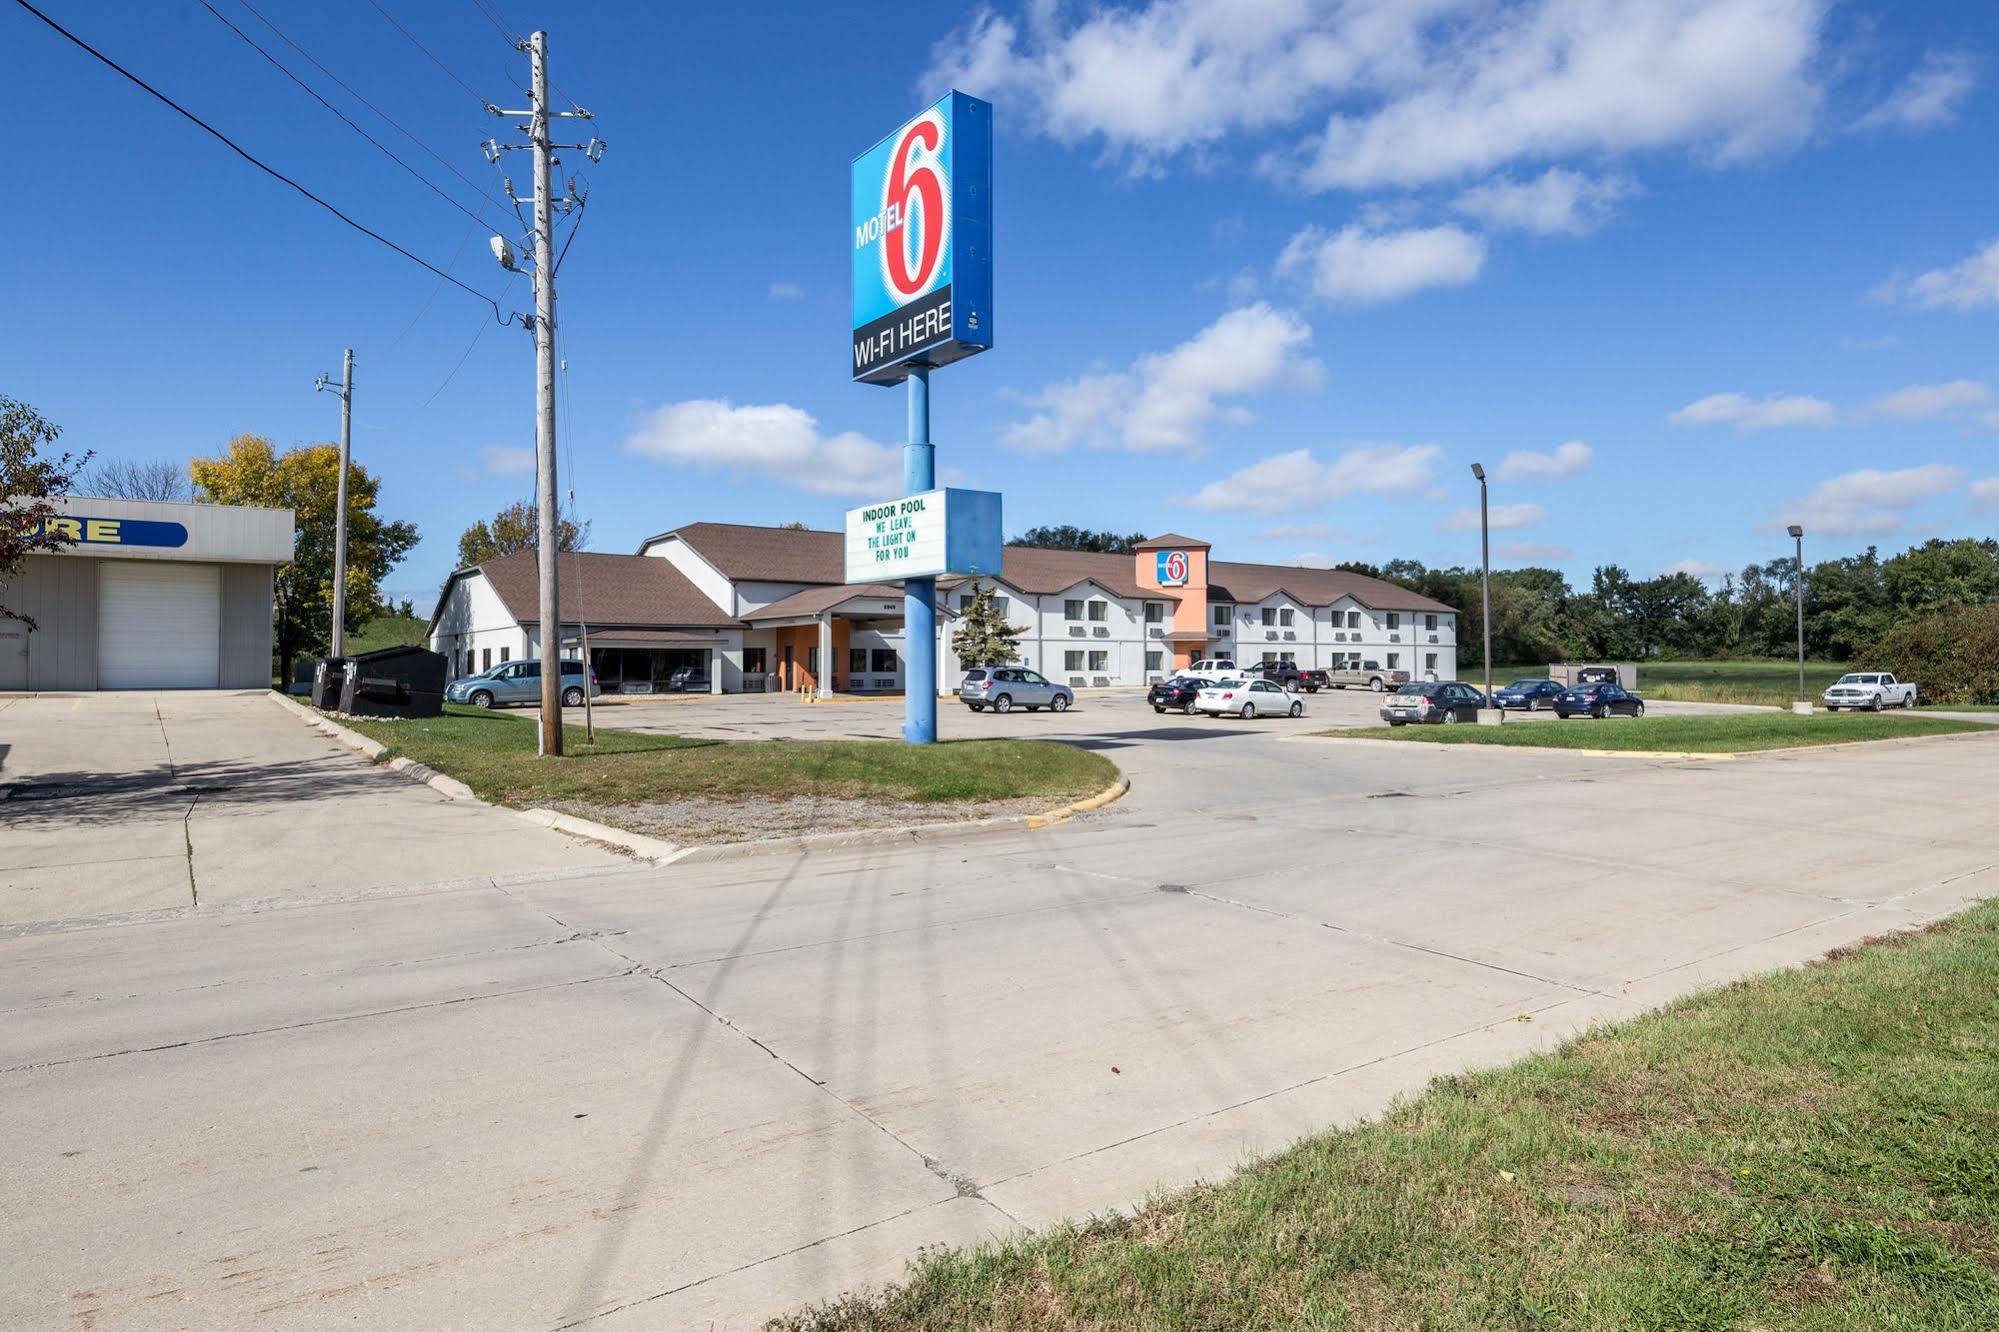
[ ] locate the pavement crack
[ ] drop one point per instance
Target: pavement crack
(187, 840)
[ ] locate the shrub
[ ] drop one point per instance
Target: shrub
(1953, 655)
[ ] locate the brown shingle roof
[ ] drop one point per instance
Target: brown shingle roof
(767, 554)
(1313, 587)
(1171, 540)
(636, 590)
(815, 599)
(1032, 569)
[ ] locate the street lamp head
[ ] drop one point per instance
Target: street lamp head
(1478, 471)
(1795, 530)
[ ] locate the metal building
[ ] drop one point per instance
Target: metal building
(147, 595)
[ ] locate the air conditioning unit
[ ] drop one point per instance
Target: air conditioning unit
(1290, 635)
(1221, 631)
(1077, 631)
(1270, 634)
(1079, 681)
(1157, 632)
(1102, 682)
(1433, 638)
(1102, 631)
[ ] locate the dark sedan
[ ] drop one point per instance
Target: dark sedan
(1599, 701)
(1527, 695)
(1445, 702)
(1178, 692)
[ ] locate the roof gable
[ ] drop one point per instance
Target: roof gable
(603, 589)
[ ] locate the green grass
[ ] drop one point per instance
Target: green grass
(1727, 734)
(493, 753)
(1802, 1152)
(1957, 707)
(1774, 683)
(389, 631)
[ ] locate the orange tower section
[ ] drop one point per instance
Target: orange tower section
(1176, 568)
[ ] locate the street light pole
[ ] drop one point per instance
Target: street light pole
(1485, 578)
(1798, 577)
(346, 392)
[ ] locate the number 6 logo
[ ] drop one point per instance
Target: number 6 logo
(915, 188)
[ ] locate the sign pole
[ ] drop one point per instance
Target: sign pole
(919, 595)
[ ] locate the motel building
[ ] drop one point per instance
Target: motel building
(754, 609)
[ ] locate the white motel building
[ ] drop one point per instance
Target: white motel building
(734, 608)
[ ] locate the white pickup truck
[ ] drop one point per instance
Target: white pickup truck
(1873, 690)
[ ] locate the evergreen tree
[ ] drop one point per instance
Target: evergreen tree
(983, 637)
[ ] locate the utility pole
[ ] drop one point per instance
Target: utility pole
(1485, 579)
(547, 516)
(346, 392)
(1797, 534)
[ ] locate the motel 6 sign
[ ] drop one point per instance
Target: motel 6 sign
(1172, 568)
(922, 242)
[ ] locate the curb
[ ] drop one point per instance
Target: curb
(1115, 791)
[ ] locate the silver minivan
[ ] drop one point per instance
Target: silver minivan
(1004, 688)
(519, 682)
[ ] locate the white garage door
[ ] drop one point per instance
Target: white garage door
(159, 625)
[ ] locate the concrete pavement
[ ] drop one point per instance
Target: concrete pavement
(119, 803)
(695, 1095)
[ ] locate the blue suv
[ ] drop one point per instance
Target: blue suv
(519, 682)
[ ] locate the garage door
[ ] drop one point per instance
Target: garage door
(159, 625)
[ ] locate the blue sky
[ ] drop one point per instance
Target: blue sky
(1270, 273)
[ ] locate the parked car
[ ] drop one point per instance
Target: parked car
(1599, 701)
(1445, 702)
(1871, 690)
(1213, 667)
(1527, 695)
(1004, 688)
(1247, 698)
(519, 682)
(1313, 681)
(688, 680)
(1177, 692)
(1369, 674)
(1284, 674)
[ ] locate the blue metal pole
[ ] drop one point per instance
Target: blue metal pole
(919, 595)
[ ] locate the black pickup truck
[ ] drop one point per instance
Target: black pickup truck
(1284, 674)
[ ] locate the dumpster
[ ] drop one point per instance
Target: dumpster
(328, 674)
(394, 682)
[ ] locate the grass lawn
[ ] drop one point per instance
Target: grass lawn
(1774, 683)
(1717, 735)
(389, 631)
(1807, 1150)
(1957, 707)
(493, 753)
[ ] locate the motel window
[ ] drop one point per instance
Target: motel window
(1100, 661)
(884, 661)
(999, 607)
(1353, 619)
(1100, 610)
(1072, 661)
(1072, 609)
(1155, 612)
(1288, 656)
(1429, 622)
(486, 659)
(857, 661)
(1270, 615)
(1429, 661)
(753, 661)
(812, 662)
(1395, 619)
(1284, 617)
(506, 653)
(1395, 661)
(1155, 661)
(1269, 657)
(964, 601)
(1222, 614)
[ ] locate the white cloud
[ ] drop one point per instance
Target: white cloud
(1932, 94)
(1168, 399)
(786, 291)
(1965, 285)
(1558, 202)
(1868, 502)
(506, 459)
(1702, 569)
(1990, 420)
(1304, 532)
(1500, 518)
(1358, 266)
(1921, 401)
(1532, 552)
(1986, 492)
(777, 440)
(1297, 480)
(1564, 460)
(1427, 90)
(1746, 413)
(1309, 559)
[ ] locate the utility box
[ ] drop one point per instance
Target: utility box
(328, 675)
(395, 682)
(1623, 673)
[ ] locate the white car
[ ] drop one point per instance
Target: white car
(1212, 667)
(1248, 698)
(1873, 690)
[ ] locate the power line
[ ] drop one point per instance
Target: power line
(512, 37)
(243, 153)
(313, 93)
(442, 160)
(427, 52)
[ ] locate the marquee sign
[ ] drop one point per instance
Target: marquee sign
(85, 531)
(919, 536)
(1171, 569)
(922, 242)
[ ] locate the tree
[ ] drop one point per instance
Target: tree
(516, 527)
(29, 478)
(305, 479)
(793, 527)
(1067, 537)
(1939, 574)
(125, 478)
(983, 636)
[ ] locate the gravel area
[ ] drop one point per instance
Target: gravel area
(787, 816)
